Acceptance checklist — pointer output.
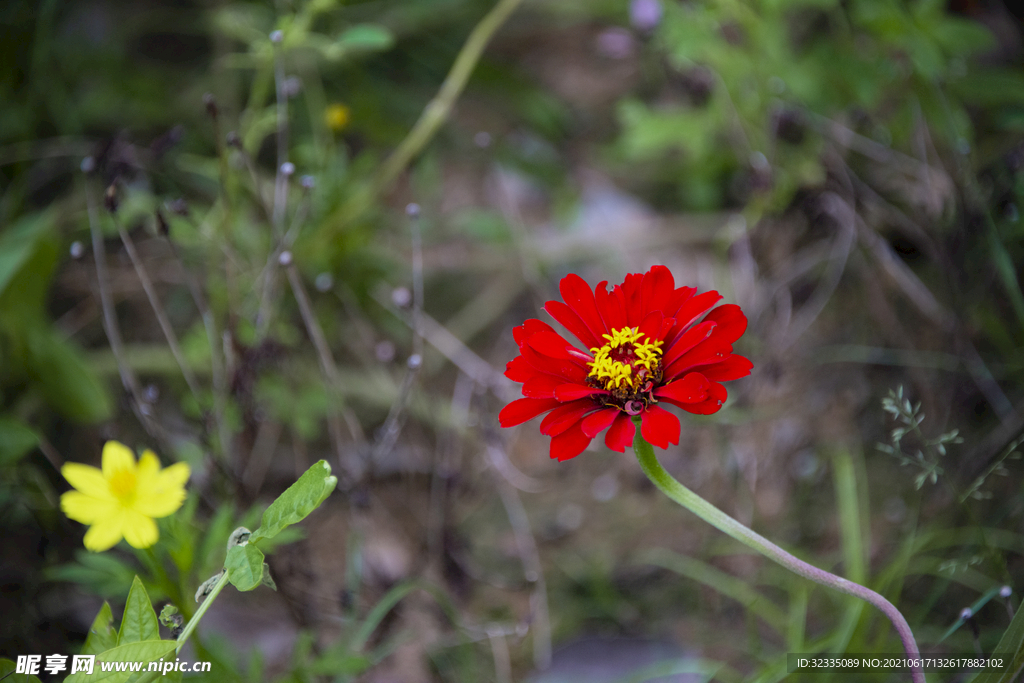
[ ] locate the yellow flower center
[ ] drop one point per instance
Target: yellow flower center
(123, 484)
(625, 365)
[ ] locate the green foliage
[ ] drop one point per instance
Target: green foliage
(765, 79)
(911, 417)
(139, 621)
(7, 669)
(34, 353)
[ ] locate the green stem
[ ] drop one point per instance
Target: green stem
(436, 112)
(716, 518)
(194, 621)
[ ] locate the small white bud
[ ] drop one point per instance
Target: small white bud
(77, 249)
(287, 168)
(276, 36)
(401, 297)
(285, 259)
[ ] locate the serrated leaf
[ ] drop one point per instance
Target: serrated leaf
(300, 499)
(7, 675)
(102, 636)
(16, 439)
(139, 622)
(144, 651)
(245, 567)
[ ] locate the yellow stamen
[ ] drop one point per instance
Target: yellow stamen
(615, 362)
(122, 484)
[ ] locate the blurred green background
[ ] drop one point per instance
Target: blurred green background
(849, 172)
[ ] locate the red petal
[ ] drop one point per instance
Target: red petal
(528, 329)
(572, 322)
(542, 386)
(659, 427)
(690, 389)
(695, 307)
(692, 337)
(518, 370)
(651, 325)
(577, 296)
(731, 322)
(610, 308)
(550, 344)
(572, 392)
(708, 351)
(565, 416)
(677, 299)
(732, 367)
(713, 403)
(656, 289)
(631, 299)
(519, 411)
(595, 423)
(570, 370)
(621, 433)
(569, 443)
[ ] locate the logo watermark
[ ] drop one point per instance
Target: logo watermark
(33, 665)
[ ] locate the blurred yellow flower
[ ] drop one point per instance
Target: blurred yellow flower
(122, 499)
(337, 116)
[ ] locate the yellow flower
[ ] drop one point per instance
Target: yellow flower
(122, 499)
(337, 116)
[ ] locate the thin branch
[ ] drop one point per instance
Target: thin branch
(532, 569)
(327, 365)
(128, 379)
(434, 114)
(843, 213)
(393, 424)
(158, 309)
(216, 349)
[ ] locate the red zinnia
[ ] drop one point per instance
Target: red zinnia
(646, 347)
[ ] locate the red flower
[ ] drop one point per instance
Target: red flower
(646, 347)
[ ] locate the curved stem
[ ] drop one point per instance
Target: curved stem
(434, 114)
(715, 517)
(194, 621)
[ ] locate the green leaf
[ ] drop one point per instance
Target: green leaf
(139, 622)
(7, 675)
(102, 636)
(361, 38)
(300, 499)
(16, 439)
(66, 382)
(1012, 641)
(144, 651)
(18, 243)
(245, 566)
(268, 580)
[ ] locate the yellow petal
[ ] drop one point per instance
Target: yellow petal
(87, 509)
(139, 530)
(175, 476)
(105, 533)
(148, 471)
(117, 457)
(87, 479)
(166, 494)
